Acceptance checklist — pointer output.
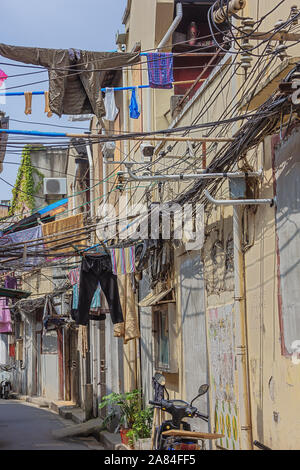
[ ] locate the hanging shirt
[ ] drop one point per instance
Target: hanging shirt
(123, 260)
(160, 69)
(110, 105)
(10, 283)
(134, 111)
(71, 92)
(5, 318)
(74, 279)
(3, 77)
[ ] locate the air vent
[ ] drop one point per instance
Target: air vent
(55, 185)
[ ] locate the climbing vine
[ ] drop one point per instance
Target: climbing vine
(25, 189)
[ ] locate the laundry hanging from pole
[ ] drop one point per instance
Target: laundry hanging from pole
(71, 92)
(3, 77)
(160, 70)
(134, 108)
(110, 105)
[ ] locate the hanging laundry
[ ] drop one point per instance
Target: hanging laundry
(74, 279)
(71, 92)
(3, 77)
(74, 223)
(134, 108)
(82, 346)
(123, 260)
(130, 330)
(10, 283)
(110, 105)
(5, 317)
(160, 69)
(28, 102)
(24, 237)
(95, 269)
(48, 313)
(4, 124)
(47, 106)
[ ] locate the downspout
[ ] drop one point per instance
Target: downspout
(74, 187)
(91, 167)
(241, 348)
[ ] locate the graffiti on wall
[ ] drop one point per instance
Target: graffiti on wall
(221, 339)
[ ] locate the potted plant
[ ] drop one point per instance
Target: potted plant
(128, 406)
(140, 433)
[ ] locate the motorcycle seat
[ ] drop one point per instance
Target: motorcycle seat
(192, 434)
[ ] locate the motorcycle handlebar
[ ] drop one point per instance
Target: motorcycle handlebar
(202, 416)
(155, 403)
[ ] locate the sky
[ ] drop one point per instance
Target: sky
(60, 24)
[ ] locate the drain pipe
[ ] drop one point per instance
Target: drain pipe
(241, 349)
(74, 187)
(92, 192)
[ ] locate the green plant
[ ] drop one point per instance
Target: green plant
(129, 405)
(25, 189)
(142, 426)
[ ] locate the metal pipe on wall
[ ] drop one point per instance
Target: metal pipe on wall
(191, 176)
(91, 165)
(241, 353)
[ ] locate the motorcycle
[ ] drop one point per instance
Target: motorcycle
(5, 382)
(176, 434)
(5, 388)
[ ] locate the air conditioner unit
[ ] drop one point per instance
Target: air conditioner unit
(108, 149)
(147, 151)
(55, 186)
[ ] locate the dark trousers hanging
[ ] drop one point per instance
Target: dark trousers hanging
(96, 269)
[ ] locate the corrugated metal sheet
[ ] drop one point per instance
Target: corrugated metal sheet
(195, 364)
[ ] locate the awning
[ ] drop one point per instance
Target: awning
(53, 206)
(154, 299)
(14, 293)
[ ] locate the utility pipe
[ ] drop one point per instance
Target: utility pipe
(241, 352)
(74, 187)
(238, 202)
(91, 165)
(99, 136)
(187, 176)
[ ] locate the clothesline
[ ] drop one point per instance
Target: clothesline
(21, 93)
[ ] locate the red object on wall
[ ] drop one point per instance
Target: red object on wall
(189, 68)
(12, 350)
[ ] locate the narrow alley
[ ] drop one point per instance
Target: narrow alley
(150, 226)
(27, 427)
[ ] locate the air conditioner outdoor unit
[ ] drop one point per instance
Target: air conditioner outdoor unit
(147, 151)
(55, 186)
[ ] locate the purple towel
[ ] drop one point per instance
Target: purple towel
(160, 69)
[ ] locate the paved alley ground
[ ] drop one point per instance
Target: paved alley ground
(26, 427)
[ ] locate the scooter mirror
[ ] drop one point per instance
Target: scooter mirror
(203, 389)
(160, 378)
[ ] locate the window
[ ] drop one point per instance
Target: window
(164, 321)
(49, 342)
